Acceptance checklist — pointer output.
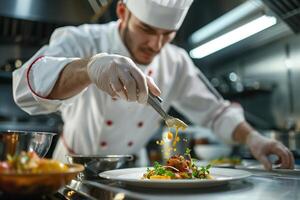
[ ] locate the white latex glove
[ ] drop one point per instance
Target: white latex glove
(261, 147)
(119, 76)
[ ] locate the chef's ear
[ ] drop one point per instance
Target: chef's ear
(122, 11)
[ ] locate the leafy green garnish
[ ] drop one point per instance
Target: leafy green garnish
(187, 152)
(205, 169)
(195, 173)
(161, 170)
(169, 173)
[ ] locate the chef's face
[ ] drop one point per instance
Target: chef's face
(143, 41)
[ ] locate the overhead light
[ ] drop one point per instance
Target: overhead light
(233, 36)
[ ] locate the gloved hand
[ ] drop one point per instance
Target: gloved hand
(261, 147)
(119, 76)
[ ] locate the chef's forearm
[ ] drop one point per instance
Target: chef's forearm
(241, 133)
(73, 79)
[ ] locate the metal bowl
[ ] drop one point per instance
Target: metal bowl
(95, 164)
(13, 142)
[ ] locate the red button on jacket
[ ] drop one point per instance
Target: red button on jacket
(103, 144)
(130, 143)
(150, 72)
(140, 124)
(109, 122)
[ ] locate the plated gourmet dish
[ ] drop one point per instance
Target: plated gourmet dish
(178, 167)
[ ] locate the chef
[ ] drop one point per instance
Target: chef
(98, 77)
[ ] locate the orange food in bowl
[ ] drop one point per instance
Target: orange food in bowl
(27, 174)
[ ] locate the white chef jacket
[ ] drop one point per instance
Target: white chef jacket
(94, 122)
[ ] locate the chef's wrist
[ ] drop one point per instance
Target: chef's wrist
(82, 71)
(250, 137)
(72, 79)
(243, 132)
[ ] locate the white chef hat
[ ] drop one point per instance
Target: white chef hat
(165, 14)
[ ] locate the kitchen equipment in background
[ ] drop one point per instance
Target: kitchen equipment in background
(13, 142)
(67, 11)
(211, 151)
(24, 32)
(232, 84)
(95, 164)
(32, 21)
(11, 64)
(12, 117)
(249, 25)
(287, 10)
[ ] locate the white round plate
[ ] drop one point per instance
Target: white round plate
(133, 176)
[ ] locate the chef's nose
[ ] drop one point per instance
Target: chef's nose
(156, 42)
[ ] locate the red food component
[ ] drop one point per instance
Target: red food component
(180, 163)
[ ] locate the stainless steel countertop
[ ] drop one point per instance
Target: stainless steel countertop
(266, 186)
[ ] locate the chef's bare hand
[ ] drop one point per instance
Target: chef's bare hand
(119, 76)
(261, 147)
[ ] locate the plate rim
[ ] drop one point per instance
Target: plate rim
(174, 181)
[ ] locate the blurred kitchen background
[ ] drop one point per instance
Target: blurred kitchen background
(256, 65)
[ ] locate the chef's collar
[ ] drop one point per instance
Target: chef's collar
(119, 46)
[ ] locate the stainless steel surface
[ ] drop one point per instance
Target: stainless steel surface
(274, 64)
(287, 10)
(13, 142)
(258, 170)
(67, 11)
(257, 187)
(231, 53)
(95, 164)
(100, 190)
(293, 63)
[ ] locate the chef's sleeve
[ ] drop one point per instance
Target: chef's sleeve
(34, 81)
(200, 105)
